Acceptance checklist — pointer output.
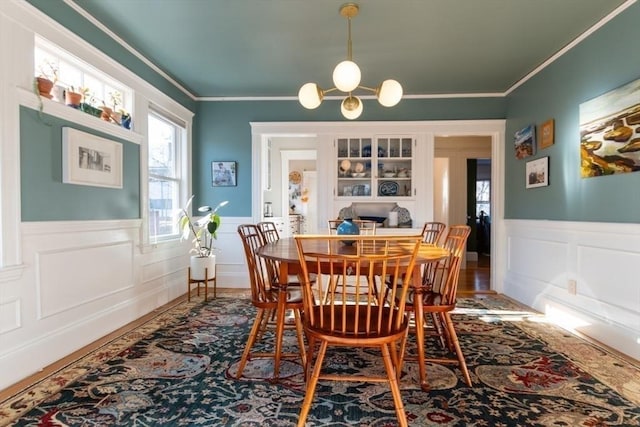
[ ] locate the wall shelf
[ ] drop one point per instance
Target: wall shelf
(61, 111)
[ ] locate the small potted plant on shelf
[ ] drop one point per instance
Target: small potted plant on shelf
(109, 112)
(47, 78)
(204, 233)
(125, 118)
(88, 105)
(74, 95)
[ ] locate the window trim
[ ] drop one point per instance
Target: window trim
(181, 167)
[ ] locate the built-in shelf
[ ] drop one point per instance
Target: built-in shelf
(61, 111)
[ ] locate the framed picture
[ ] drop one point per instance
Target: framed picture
(88, 159)
(538, 172)
(609, 142)
(223, 174)
(525, 142)
(546, 134)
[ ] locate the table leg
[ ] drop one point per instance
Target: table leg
(280, 312)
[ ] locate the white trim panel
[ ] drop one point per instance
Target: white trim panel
(602, 259)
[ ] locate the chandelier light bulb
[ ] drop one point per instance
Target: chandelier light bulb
(351, 107)
(310, 96)
(389, 93)
(346, 76)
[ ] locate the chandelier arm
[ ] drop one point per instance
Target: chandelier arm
(333, 89)
(370, 89)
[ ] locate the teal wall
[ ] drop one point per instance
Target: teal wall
(45, 197)
(599, 64)
(71, 19)
(222, 131)
(602, 62)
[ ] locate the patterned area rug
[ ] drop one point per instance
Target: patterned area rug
(178, 369)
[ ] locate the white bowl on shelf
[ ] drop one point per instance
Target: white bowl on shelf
(358, 174)
(389, 174)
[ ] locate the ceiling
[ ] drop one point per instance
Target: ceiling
(269, 48)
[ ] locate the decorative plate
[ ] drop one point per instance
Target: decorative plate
(295, 177)
(366, 151)
(388, 188)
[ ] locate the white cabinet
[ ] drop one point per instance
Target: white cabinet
(375, 168)
(295, 222)
(278, 221)
(286, 226)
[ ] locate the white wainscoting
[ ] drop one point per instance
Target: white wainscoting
(602, 258)
(80, 281)
(65, 299)
(232, 265)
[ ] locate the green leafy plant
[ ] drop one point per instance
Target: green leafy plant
(204, 230)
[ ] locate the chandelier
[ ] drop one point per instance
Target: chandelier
(346, 78)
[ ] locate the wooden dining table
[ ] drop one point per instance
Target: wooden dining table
(285, 252)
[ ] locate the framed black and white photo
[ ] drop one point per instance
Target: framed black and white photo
(91, 160)
(538, 173)
(223, 174)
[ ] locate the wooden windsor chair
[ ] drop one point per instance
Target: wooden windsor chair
(329, 320)
(432, 232)
(438, 298)
(266, 298)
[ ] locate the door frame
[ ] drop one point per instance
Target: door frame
(261, 132)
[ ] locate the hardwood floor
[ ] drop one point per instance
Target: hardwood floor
(475, 279)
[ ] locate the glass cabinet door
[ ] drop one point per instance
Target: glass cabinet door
(395, 161)
(354, 167)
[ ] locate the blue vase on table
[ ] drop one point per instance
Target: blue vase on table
(348, 227)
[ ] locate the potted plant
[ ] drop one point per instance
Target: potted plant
(47, 78)
(88, 105)
(125, 121)
(110, 112)
(73, 96)
(204, 232)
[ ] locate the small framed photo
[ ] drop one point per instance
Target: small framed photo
(546, 134)
(538, 173)
(91, 160)
(223, 174)
(525, 142)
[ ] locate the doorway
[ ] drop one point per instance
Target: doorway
(299, 187)
(462, 167)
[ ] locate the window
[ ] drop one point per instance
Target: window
(166, 140)
(483, 197)
(69, 72)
